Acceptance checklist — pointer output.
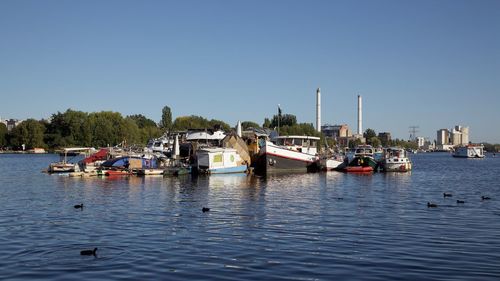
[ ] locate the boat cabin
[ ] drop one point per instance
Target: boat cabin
(364, 150)
(304, 144)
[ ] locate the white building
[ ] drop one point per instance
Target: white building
(420, 142)
(443, 137)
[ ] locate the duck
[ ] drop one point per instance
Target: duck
(485, 198)
(205, 209)
(88, 252)
(431, 205)
(447, 194)
(79, 206)
(460, 201)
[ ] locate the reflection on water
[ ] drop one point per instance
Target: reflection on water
(297, 226)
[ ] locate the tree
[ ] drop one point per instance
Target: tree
(369, 133)
(249, 124)
(286, 120)
(142, 121)
(3, 135)
(198, 122)
(267, 123)
(30, 133)
(166, 118)
(375, 142)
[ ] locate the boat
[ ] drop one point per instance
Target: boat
(64, 165)
(288, 154)
(469, 151)
(150, 172)
(363, 161)
(219, 161)
(333, 162)
(127, 165)
(396, 159)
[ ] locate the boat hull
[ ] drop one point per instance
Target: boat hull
(358, 169)
(281, 160)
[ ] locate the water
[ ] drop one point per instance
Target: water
(321, 226)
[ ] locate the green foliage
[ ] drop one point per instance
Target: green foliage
(3, 135)
(286, 120)
(166, 118)
(147, 129)
(369, 134)
(142, 121)
(267, 123)
(491, 147)
(249, 124)
(30, 133)
(375, 142)
(404, 144)
(197, 122)
(356, 142)
(302, 129)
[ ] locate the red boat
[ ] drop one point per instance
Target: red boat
(110, 173)
(359, 169)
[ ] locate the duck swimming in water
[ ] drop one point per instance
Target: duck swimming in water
(485, 198)
(431, 205)
(88, 252)
(79, 206)
(447, 194)
(205, 209)
(460, 201)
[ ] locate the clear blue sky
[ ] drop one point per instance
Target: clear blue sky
(428, 63)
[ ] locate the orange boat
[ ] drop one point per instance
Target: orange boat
(359, 169)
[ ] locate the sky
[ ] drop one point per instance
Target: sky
(432, 64)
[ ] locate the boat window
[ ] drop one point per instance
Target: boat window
(301, 142)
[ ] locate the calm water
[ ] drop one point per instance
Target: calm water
(283, 227)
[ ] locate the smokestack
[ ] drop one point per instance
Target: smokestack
(360, 116)
(318, 110)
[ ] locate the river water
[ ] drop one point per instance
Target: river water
(320, 226)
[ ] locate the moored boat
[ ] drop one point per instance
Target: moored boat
(363, 161)
(395, 159)
(64, 165)
(219, 161)
(469, 151)
(288, 154)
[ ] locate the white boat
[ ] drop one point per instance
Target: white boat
(63, 165)
(219, 161)
(469, 151)
(288, 154)
(395, 159)
(150, 172)
(333, 162)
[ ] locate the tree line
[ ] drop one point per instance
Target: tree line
(107, 128)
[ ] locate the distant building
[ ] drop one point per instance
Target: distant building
(335, 131)
(443, 137)
(459, 135)
(420, 142)
(385, 138)
(11, 123)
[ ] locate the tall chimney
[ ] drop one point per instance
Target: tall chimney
(360, 116)
(318, 110)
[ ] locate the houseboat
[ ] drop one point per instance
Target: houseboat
(219, 161)
(288, 154)
(395, 159)
(469, 151)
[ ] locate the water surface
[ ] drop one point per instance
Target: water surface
(319, 226)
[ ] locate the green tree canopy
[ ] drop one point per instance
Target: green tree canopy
(375, 142)
(267, 123)
(286, 120)
(249, 124)
(30, 133)
(142, 121)
(369, 133)
(198, 122)
(3, 135)
(166, 118)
